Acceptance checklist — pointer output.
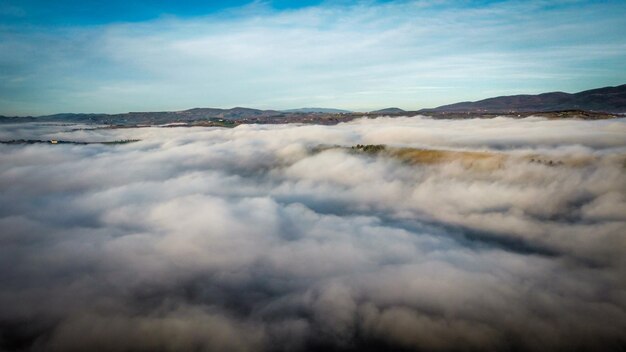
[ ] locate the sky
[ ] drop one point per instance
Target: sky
(120, 56)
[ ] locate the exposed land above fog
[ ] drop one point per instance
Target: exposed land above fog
(602, 103)
(476, 160)
(607, 99)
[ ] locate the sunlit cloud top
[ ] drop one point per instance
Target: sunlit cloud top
(67, 56)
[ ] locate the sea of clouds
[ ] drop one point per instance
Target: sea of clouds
(256, 239)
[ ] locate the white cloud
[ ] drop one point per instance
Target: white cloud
(245, 239)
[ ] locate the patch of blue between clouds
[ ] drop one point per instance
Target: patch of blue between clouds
(79, 12)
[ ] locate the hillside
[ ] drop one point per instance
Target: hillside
(608, 99)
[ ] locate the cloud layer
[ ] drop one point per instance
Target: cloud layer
(250, 239)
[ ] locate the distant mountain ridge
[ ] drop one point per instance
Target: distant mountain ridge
(388, 111)
(594, 103)
(319, 110)
(191, 116)
(607, 99)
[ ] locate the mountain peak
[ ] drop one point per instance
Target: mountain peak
(388, 111)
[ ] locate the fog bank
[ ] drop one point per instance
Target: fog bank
(256, 239)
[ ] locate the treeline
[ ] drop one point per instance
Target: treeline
(53, 141)
(369, 148)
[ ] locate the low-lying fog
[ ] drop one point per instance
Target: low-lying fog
(256, 239)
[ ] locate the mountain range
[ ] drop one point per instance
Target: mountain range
(595, 103)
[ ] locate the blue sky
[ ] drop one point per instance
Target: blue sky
(118, 56)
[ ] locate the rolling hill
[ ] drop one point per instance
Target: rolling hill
(607, 99)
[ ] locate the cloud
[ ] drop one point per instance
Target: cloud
(248, 239)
